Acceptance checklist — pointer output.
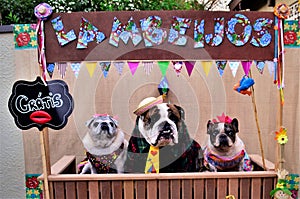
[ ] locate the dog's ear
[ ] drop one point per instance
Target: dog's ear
(181, 111)
(209, 124)
(89, 122)
(114, 121)
(235, 124)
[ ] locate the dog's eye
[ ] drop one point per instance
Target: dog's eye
(95, 124)
(215, 133)
(111, 124)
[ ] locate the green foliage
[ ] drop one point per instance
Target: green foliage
(22, 11)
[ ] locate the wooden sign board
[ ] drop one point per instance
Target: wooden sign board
(228, 27)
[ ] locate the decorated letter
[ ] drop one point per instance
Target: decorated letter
(177, 31)
(152, 32)
(124, 32)
(199, 34)
(262, 36)
(217, 38)
(62, 37)
(88, 33)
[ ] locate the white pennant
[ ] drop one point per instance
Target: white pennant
(147, 67)
(233, 65)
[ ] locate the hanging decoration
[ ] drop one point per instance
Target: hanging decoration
(234, 66)
(105, 66)
(243, 85)
(25, 36)
(42, 12)
(206, 66)
(177, 65)
(91, 66)
(50, 69)
(119, 66)
(221, 66)
(189, 66)
(246, 66)
(163, 87)
(260, 65)
(163, 66)
(147, 67)
(133, 66)
(76, 68)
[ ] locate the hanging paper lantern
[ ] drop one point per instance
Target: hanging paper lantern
(163, 87)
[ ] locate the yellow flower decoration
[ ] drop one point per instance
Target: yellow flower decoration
(281, 136)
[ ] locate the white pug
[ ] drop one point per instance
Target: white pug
(105, 145)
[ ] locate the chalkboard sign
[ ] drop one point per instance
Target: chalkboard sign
(34, 104)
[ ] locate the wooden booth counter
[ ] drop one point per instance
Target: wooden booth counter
(64, 183)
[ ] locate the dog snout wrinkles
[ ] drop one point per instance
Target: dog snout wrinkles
(104, 126)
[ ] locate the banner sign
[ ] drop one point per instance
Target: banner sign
(159, 35)
(32, 104)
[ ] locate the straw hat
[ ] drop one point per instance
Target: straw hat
(148, 103)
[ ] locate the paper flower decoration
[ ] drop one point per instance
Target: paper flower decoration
(282, 11)
(281, 136)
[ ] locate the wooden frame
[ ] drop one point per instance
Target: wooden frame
(66, 184)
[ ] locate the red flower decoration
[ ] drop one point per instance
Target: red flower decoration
(23, 39)
(32, 183)
(289, 37)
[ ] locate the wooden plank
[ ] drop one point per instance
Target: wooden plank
(187, 189)
(128, 190)
(221, 188)
(152, 189)
(258, 160)
(233, 187)
(245, 188)
(70, 190)
(93, 189)
(199, 189)
(256, 188)
(140, 187)
(163, 189)
(105, 188)
(117, 189)
(59, 190)
(267, 187)
(210, 188)
(82, 190)
(175, 189)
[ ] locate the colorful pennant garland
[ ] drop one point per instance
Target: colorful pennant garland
(119, 66)
(163, 66)
(91, 66)
(62, 68)
(105, 66)
(76, 68)
(50, 69)
(177, 65)
(221, 66)
(234, 66)
(246, 66)
(147, 67)
(189, 66)
(206, 66)
(260, 65)
(133, 66)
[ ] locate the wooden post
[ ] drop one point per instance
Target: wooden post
(44, 141)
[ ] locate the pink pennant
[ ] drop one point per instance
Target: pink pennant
(133, 66)
(62, 67)
(189, 66)
(246, 66)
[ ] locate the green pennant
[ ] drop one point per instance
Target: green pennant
(163, 65)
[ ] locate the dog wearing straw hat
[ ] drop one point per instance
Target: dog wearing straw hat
(160, 142)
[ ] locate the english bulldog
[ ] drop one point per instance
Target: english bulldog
(105, 146)
(162, 127)
(225, 151)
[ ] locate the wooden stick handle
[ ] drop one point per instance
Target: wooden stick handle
(44, 141)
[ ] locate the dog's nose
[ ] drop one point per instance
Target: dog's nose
(167, 126)
(104, 126)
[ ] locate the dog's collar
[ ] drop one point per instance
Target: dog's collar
(103, 163)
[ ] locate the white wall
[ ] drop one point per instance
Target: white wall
(12, 169)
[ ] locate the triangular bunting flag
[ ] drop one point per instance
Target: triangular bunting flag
(163, 86)
(50, 69)
(189, 66)
(221, 66)
(206, 66)
(246, 66)
(105, 66)
(233, 65)
(91, 66)
(62, 67)
(271, 67)
(76, 68)
(147, 67)
(133, 66)
(260, 65)
(163, 66)
(177, 65)
(119, 66)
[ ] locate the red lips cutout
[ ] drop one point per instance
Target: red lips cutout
(153, 153)
(40, 117)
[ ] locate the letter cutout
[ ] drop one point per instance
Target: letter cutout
(62, 37)
(152, 32)
(233, 37)
(261, 37)
(199, 34)
(124, 32)
(217, 38)
(177, 31)
(88, 33)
